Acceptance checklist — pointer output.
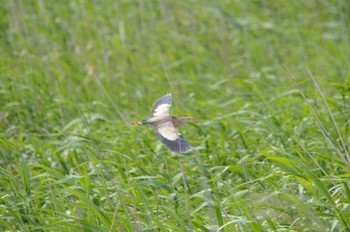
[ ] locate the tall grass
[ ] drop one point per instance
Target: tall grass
(270, 151)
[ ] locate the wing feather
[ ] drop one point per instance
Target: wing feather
(161, 106)
(171, 138)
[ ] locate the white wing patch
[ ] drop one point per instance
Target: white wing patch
(161, 106)
(168, 131)
(161, 110)
(171, 138)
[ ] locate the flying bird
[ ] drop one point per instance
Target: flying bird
(165, 125)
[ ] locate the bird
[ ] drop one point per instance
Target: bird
(165, 125)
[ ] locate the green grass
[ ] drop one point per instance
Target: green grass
(269, 80)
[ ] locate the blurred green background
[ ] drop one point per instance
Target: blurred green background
(75, 74)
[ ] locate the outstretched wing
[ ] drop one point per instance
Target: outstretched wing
(161, 106)
(171, 138)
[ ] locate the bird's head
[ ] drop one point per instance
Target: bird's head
(178, 121)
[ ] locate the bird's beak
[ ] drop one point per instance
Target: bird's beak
(136, 123)
(193, 119)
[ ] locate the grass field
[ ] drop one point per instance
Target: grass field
(269, 81)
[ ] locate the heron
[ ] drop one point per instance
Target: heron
(165, 125)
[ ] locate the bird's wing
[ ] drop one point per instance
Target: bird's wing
(171, 138)
(161, 106)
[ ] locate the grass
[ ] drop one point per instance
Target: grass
(269, 80)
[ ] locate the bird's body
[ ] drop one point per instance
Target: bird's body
(164, 125)
(156, 121)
